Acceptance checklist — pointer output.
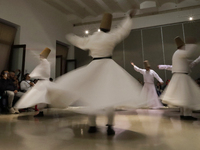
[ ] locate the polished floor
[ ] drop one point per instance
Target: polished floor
(142, 129)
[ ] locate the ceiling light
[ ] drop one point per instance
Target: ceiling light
(86, 32)
(99, 30)
(191, 18)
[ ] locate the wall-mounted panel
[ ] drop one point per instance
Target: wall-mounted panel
(192, 29)
(118, 54)
(133, 52)
(153, 50)
(169, 33)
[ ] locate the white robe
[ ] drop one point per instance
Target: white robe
(42, 71)
(182, 90)
(39, 93)
(149, 93)
(102, 83)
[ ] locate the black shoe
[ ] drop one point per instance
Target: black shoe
(92, 129)
(110, 130)
(187, 118)
(40, 114)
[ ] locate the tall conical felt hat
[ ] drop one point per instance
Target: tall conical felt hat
(146, 64)
(45, 52)
(179, 42)
(106, 21)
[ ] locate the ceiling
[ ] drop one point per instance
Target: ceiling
(83, 11)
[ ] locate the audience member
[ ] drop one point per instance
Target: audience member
(26, 84)
(159, 88)
(14, 79)
(8, 87)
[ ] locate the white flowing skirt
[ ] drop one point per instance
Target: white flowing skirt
(101, 84)
(39, 94)
(182, 91)
(149, 94)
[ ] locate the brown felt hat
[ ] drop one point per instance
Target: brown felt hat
(146, 64)
(45, 52)
(106, 21)
(179, 42)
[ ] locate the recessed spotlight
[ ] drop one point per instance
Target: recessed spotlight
(86, 32)
(191, 18)
(99, 30)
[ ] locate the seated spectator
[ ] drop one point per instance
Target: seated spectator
(159, 88)
(8, 87)
(26, 84)
(14, 79)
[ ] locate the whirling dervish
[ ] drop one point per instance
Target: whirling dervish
(149, 91)
(182, 91)
(102, 84)
(39, 93)
(34, 96)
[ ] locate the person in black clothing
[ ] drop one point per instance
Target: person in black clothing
(159, 88)
(14, 79)
(8, 87)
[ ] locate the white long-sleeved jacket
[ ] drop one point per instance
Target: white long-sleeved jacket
(102, 44)
(148, 75)
(165, 67)
(42, 71)
(25, 85)
(180, 58)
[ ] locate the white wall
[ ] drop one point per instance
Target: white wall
(39, 27)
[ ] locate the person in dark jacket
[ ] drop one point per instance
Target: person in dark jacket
(8, 87)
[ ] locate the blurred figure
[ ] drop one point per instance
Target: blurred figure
(178, 92)
(26, 84)
(195, 62)
(8, 86)
(159, 88)
(36, 94)
(14, 79)
(102, 84)
(149, 91)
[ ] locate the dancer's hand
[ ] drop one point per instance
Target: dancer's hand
(132, 64)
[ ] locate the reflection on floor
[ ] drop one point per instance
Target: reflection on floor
(142, 129)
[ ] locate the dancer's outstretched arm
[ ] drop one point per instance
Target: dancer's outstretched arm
(123, 30)
(196, 61)
(157, 77)
(80, 42)
(165, 67)
(142, 71)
